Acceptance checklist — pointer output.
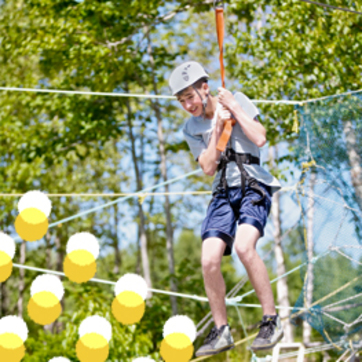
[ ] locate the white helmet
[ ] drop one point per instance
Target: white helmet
(185, 75)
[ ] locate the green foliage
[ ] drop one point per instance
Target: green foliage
(74, 144)
(292, 50)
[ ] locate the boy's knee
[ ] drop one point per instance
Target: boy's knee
(245, 253)
(210, 265)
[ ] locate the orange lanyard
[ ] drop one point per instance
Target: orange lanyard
(228, 125)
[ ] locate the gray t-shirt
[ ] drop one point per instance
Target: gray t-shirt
(198, 131)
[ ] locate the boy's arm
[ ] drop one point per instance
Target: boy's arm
(253, 129)
(209, 159)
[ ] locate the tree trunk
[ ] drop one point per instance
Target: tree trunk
(354, 160)
(282, 286)
(163, 165)
(143, 236)
(4, 300)
(307, 329)
(48, 261)
(21, 279)
(117, 254)
(57, 326)
(138, 263)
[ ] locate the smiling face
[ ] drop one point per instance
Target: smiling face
(191, 101)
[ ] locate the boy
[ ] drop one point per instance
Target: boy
(241, 193)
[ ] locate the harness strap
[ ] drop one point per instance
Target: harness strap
(240, 159)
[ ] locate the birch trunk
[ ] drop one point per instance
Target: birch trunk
(163, 165)
(282, 286)
(142, 229)
(48, 260)
(60, 252)
(21, 279)
(307, 329)
(117, 254)
(354, 160)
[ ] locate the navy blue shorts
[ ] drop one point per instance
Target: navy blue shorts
(228, 207)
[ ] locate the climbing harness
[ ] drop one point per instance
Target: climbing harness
(240, 159)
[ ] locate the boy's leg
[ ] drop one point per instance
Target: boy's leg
(212, 252)
(245, 247)
(219, 339)
(271, 331)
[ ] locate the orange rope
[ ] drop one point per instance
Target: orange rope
(228, 126)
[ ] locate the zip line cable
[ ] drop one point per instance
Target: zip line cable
(132, 95)
(332, 7)
(107, 94)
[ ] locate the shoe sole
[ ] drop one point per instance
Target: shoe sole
(267, 346)
(216, 352)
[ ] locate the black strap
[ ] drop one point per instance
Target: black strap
(240, 159)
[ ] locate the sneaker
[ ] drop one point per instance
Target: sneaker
(217, 341)
(270, 333)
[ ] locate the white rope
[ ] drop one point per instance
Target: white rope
(342, 301)
(107, 94)
(189, 296)
(346, 256)
(348, 246)
(334, 318)
(134, 95)
(358, 320)
(321, 348)
(343, 355)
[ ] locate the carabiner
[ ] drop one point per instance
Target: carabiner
(218, 4)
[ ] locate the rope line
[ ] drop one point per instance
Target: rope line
(123, 198)
(88, 93)
(328, 295)
(152, 96)
(139, 194)
(321, 348)
(332, 7)
(228, 301)
(342, 301)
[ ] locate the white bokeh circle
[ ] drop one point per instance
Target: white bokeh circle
(96, 324)
(47, 283)
(36, 199)
(59, 359)
(180, 324)
(83, 241)
(132, 283)
(7, 244)
(143, 359)
(14, 324)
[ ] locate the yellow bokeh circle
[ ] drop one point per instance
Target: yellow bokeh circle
(6, 266)
(11, 347)
(80, 266)
(44, 308)
(31, 224)
(176, 347)
(92, 347)
(128, 307)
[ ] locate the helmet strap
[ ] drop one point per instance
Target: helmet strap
(203, 101)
